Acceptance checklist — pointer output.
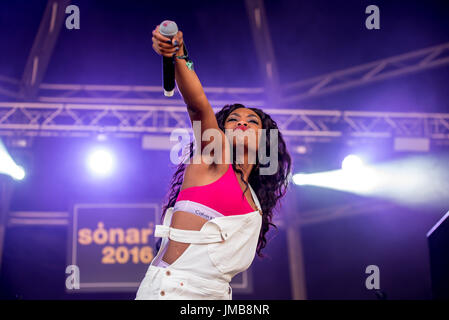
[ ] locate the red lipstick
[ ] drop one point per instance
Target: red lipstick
(242, 128)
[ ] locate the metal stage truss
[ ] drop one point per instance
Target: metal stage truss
(411, 62)
(60, 119)
(130, 111)
(383, 69)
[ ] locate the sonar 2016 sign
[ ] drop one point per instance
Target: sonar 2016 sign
(112, 246)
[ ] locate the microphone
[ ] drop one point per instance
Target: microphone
(168, 29)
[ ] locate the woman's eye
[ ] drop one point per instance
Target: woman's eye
(253, 121)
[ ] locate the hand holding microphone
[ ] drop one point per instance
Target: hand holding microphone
(168, 42)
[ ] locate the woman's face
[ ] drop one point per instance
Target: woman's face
(239, 122)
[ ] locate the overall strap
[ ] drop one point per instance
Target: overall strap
(256, 200)
(189, 236)
(205, 235)
(167, 220)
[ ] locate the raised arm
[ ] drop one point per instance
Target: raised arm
(188, 83)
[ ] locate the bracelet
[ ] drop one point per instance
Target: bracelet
(186, 57)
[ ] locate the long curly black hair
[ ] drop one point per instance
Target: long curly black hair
(268, 188)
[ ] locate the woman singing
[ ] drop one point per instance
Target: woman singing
(217, 213)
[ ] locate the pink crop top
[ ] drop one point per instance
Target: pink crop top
(223, 197)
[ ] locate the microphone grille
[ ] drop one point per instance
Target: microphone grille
(168, 28)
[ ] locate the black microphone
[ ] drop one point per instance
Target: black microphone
(168, 29)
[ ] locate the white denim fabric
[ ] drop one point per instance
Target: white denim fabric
(224, 247)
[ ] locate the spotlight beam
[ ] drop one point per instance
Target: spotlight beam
(8, 166)
(422, 180)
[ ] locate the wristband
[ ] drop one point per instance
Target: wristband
(186, 57)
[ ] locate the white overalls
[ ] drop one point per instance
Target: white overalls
(224, 247)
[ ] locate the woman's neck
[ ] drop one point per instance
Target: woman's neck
(245, 167)
(244, 164)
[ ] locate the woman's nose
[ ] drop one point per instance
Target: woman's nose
(242, 123)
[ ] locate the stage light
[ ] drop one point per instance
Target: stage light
(18, 173)
(359, 181)
(300, 179)
(352, 162)
(8, 166)
(101, 162)
(410, 181)
(300, 149)
(102, 137)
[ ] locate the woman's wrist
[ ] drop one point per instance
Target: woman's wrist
(182, 54)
